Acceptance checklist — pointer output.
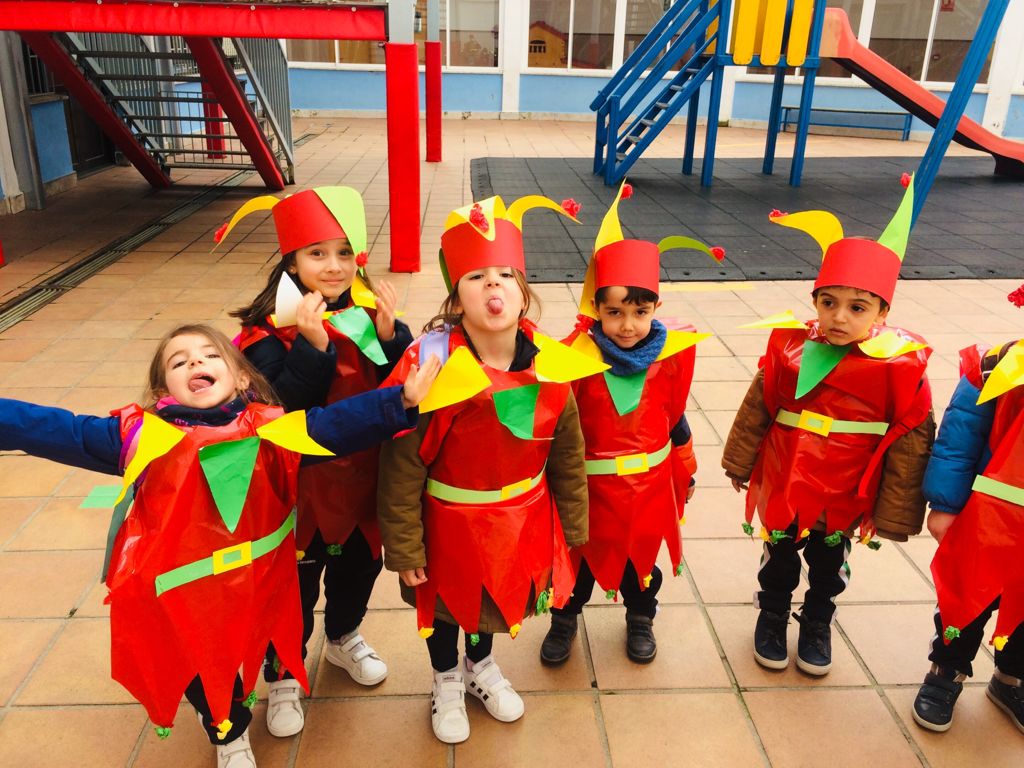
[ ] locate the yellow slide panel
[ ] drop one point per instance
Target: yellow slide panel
(745, 33)
(774, 21)
(799, 32)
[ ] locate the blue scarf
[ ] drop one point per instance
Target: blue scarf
(628, 361)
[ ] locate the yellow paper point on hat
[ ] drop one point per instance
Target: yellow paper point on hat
(677, 341)
(823, 226)
(518, 208)
(426, 632)
(156, 437)
(561, 363)
(889, 344)
(289, 432)
(610, 232)
(1007, 374)
(492, 208)
(459, 379)
(782, 320)
(1000, 642)
(223, 728)
(261, 203)
(514, 630)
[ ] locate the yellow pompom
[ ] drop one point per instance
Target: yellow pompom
(764, 534)
(682, 520)
(299, 554)
(647, 581)
(805, 533)
(865, 538)
(514, 630)
(426, 632)
(223, 728)
(1000, 642)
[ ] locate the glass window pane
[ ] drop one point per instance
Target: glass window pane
(361, 52)
(549, 34)
(899, 33)
(420, 29)
(593, 34)
(311, 50)
(641, 16)
(473, 27)
(954, 28)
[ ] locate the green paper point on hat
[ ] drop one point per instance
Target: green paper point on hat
(356, 324)
(346, 206)
(228, 469)
(625, 390)
(517, 408)
(898, 232)
(816, 362)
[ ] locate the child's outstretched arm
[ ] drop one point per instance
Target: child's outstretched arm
(748, 430)
(89, 442)
(567, 476)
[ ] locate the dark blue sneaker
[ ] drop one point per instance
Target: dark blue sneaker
(770, 640)
(1007, 694)
(933, 707)
(814, 645)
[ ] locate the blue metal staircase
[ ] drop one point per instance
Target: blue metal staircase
(638, 103)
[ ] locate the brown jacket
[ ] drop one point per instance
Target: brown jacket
(400, 490)
(899, 506)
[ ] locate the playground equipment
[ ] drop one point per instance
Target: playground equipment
(637, 103)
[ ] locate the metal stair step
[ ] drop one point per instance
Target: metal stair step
(179, 118)
(150, 78)
(157, 55)
(647, 122)
(632, 139)
(661, 104)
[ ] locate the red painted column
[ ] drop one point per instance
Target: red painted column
(433, 56)
(213, 127)
(403, 121)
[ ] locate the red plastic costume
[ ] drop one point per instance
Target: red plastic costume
(981, 557)
(335, 496)
(220, 614)
(511, 548)
(632, 512)
(802, 475)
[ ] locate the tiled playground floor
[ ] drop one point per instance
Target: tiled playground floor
(703, 702)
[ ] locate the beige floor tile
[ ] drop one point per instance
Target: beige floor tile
(395, 731)
(14, 513)
(45, 584)
(520, 661)
(795, 726)
(687, 657)
(713, 513)
(75, 350)
(720, 395)
(674, 589)
(725, 570)
(62, 525)
(386, 592)
(884, 575)
(679, 729)
(23, 642)
(980, 735)
(532, 740)
(921, 550)
(99, 401)
(77, 669)
(92, 605)
(86, 737)
(894, 641)
(29, 476)
(734, 626)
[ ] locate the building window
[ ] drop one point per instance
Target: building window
(572, 34)
(39, 79)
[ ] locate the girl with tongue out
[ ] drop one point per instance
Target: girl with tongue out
(478, 505)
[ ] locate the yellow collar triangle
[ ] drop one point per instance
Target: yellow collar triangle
(289, 432)
(1008, 374)
(781, 320)
(677, 341)
(460, 379)
(156, 437)
(889, 344)
(561, 363)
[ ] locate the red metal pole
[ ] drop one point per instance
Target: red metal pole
(213, 127)
(403, 122)
(433, 79)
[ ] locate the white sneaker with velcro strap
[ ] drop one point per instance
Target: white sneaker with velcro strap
(486, 682)
(352, 654)
(448, 715)
(284, 711)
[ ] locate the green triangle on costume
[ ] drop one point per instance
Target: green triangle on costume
(116, 521)
(517, 409)
(896, 234)
(228, 469)
(625, 390)
(346, 206)
(817, 362)
(356, 324)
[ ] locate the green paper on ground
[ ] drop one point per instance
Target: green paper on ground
(228, 469)
(517, 409)
(816, 362)
(101, 497)
(625, 390)
(359, 328)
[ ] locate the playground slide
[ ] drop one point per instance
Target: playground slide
(838, 42)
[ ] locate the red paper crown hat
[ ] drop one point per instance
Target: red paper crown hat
(853, 261)
(487, 234)
(619, 261)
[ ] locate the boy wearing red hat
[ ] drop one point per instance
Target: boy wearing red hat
(973, 484)
(835, 431)
(639, 456)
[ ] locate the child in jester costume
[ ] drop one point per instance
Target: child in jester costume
(973, 485)
(319, 334)
(201, 555)
(834, 431)
(478, 504)
(639, 454)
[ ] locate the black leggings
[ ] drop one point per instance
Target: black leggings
(239, 715)
(643, 602)
(960, 652)
(443, 646)
(827, 574)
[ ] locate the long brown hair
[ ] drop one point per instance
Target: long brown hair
(449, 315)
(258, 391)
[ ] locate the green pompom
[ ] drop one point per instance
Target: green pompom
(610, 594)
(748, 529)
(679, 570)
(162, 732)
(474, 639)
(834, 539)
(334, 550)
(874, 544)
(543, 603)
(776, 536)
(951, 633)
(251, 700)
(276, 665)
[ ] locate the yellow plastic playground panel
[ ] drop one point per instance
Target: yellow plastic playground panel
(799, 32)
(758, 29)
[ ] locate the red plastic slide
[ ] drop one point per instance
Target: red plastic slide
(839, 43)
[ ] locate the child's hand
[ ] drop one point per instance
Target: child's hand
(387, 299)
(419, 381)
(939, 522)
(414, 577)
(690, 490)
(737, 485)
(309, 317)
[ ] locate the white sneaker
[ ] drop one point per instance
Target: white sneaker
(284, 712)
(486, 682)
(448, 707)
(352, 654)
(237, 754)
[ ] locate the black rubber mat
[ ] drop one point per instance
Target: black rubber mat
(972, 225)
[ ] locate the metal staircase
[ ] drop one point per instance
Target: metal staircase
(638, 102)
(176, 102)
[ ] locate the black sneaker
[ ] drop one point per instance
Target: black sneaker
(640, 644)
(933, 707)
(557, 643)
(770, 640)
(814, 645)
(1007, 694)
